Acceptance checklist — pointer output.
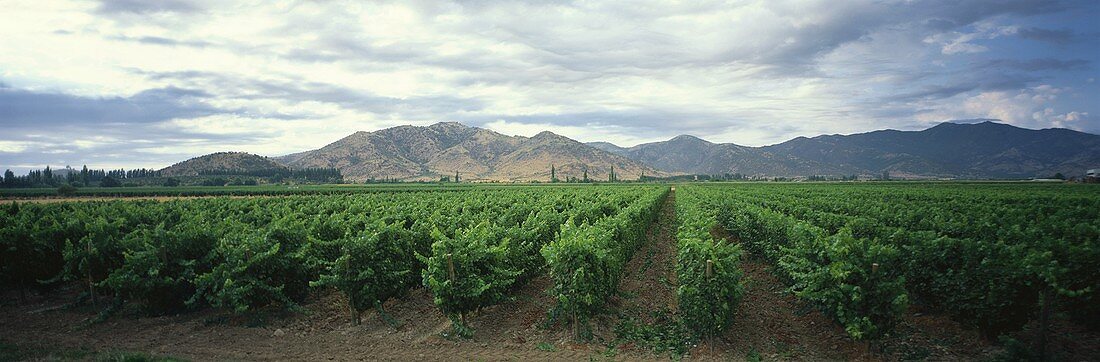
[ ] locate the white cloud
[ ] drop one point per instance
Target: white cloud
(589, 133)
(1030, 108)
(959, 42)
(13, 146)
(296, 75)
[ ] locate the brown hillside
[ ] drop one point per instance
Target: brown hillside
(426, 153)
(221, 161)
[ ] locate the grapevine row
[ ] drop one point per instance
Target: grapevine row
(252, 253)
(991, 258)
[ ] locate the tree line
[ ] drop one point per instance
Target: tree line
(48, 177)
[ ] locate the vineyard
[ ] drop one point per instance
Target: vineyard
(992, 257)
(995, 259)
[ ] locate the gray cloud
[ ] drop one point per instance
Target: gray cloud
(61, 129)
(34, 109)
(1043, 64)
(644, 123)
(296, 90)
(1047, 35)
(969, 80)
(156, 40)
(141, 7)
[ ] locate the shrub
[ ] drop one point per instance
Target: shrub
(856, 280)
(468, 271)
(160, 267)
(251, 272)
(374, 267)
(66, 190)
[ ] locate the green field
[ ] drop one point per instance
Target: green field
(261, 190)
(332, 189)
(991, 256)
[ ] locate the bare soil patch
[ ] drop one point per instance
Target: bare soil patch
(324, 333)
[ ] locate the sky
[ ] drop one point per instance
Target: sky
(135, 83)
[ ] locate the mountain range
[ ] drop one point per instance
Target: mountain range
(959, 149)
(442, 149)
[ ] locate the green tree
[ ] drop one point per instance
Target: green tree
(47, 176)
(109, 181)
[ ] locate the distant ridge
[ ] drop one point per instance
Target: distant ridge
(955, 149)
(968, 149)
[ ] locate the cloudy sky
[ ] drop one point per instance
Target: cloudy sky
(135, 83)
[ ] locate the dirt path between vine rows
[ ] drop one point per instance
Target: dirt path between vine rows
(649, 281)
(648, 285)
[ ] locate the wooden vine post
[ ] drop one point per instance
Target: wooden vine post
(88, 261)
(576, 327)
(451, 274)
(1044, 322)
(871, 345)
(356, 316)
(710, 276)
